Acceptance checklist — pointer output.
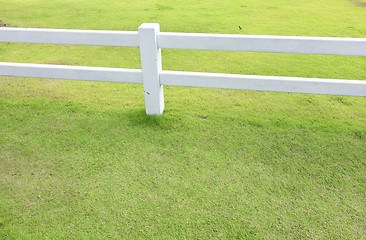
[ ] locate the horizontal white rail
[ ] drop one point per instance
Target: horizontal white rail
(67, 36)
(190, 79)
(71, 72)
(265, 83)
(198, 41)
(273, 44)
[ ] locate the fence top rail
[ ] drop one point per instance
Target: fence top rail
(264, 43)
(197, 41)
(246, 36)
(70, 36)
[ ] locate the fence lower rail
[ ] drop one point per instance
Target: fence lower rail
(71, 72)
(265, 83)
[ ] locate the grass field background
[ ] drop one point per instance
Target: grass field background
(81, 160)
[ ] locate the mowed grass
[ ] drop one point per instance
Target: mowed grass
(82, 160)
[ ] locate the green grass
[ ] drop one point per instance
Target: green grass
(82, 160)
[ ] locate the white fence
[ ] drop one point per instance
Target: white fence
(151, 40)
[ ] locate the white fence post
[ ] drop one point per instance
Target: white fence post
(151, 67)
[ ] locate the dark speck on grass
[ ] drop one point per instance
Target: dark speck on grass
(360, 134)
(2, 24)
(359, 3)
(343, 100)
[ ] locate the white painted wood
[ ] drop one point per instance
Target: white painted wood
(150, 41)
(265, 83)
(71, 72)
(67, 36)
(151, 68)
(273, 44)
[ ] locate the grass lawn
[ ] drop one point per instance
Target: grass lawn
(82, 160)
